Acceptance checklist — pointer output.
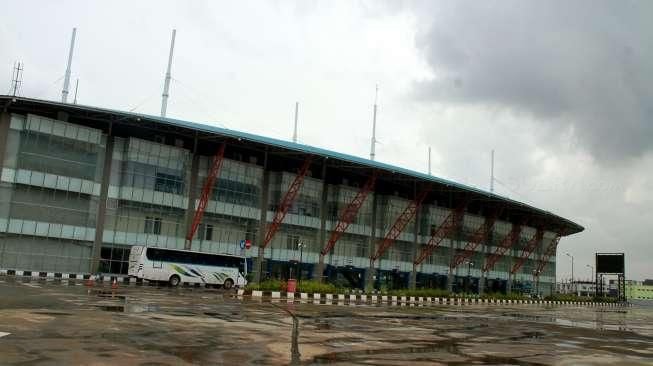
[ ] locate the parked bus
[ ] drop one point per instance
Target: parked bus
(178, 266)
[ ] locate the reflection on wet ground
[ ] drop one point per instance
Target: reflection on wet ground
(50, 323)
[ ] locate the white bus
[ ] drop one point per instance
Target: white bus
(178, 266)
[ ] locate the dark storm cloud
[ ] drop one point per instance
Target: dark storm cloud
(587, 65)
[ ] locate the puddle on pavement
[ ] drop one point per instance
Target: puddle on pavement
(528, 336)
(295, 356)
(54, 313)
(113, 308)
(368, 354)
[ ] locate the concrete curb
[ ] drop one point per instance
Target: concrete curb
(363, 299)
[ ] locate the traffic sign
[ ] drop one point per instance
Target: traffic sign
(245, 244)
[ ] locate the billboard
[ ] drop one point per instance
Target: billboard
(609, 262)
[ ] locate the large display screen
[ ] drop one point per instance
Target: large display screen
(609, 263)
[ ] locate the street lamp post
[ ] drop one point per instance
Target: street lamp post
(536, 274)
(572, 272)
(469, 278)
(300, 245)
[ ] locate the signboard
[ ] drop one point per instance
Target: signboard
(245, 244)
(610, 263)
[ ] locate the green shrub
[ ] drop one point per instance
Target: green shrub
(422, 292)
(574, 297)
(308, 286)
(268, 285)
(501, 296)
(311, 286)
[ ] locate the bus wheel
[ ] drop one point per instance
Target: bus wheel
(174, 280)
(228, 284)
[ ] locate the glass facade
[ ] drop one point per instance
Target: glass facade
(52, 175)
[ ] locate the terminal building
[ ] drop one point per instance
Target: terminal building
(80, 185)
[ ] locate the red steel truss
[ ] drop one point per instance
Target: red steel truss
(507, 243)
(287, 201)
(445, 229)
(214, 171)
(527, 250)
(409, 213)
(544, 259)
(349, 213)
(477, 238)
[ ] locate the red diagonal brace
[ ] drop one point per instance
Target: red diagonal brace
(349, 213)
(477, 238)
(544, 260)
(287, 201)
(527, 250)
(409, 213)
(207, 189)
(446, 228)
(507, 243)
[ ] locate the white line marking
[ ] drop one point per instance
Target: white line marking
(2, 334)
(31, 285)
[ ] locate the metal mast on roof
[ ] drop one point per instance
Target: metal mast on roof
(373, 149)
(76, 86)
(429, 160)
(66, 82)
(492, 172)
(16, 78)
(166, 84)
(294, 134)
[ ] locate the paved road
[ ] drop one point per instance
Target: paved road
(54, 324)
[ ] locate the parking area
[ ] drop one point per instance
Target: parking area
(53, 322)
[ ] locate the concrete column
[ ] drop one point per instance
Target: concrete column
(481, 279)
(192, 196)
(452, 252)
(102, 205)
(5, 120)
(413, 275)
(371, 271)
(510, 276)
(318, 270)
(484, 249)
(263, 218)
(455, 243)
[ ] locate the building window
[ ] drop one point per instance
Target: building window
(152, 225)
(168, 183)
(205, 232)
(292, 241)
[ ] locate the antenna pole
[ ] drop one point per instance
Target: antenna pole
(492, 172)
(76, 86)
(294, 134)
(66, 82)
(16, 78)
(429, 160)
(373, 148)
(166, 84)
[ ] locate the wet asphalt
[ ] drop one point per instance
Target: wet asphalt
(67, 323)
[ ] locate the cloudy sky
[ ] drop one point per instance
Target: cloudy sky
(562, 91)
